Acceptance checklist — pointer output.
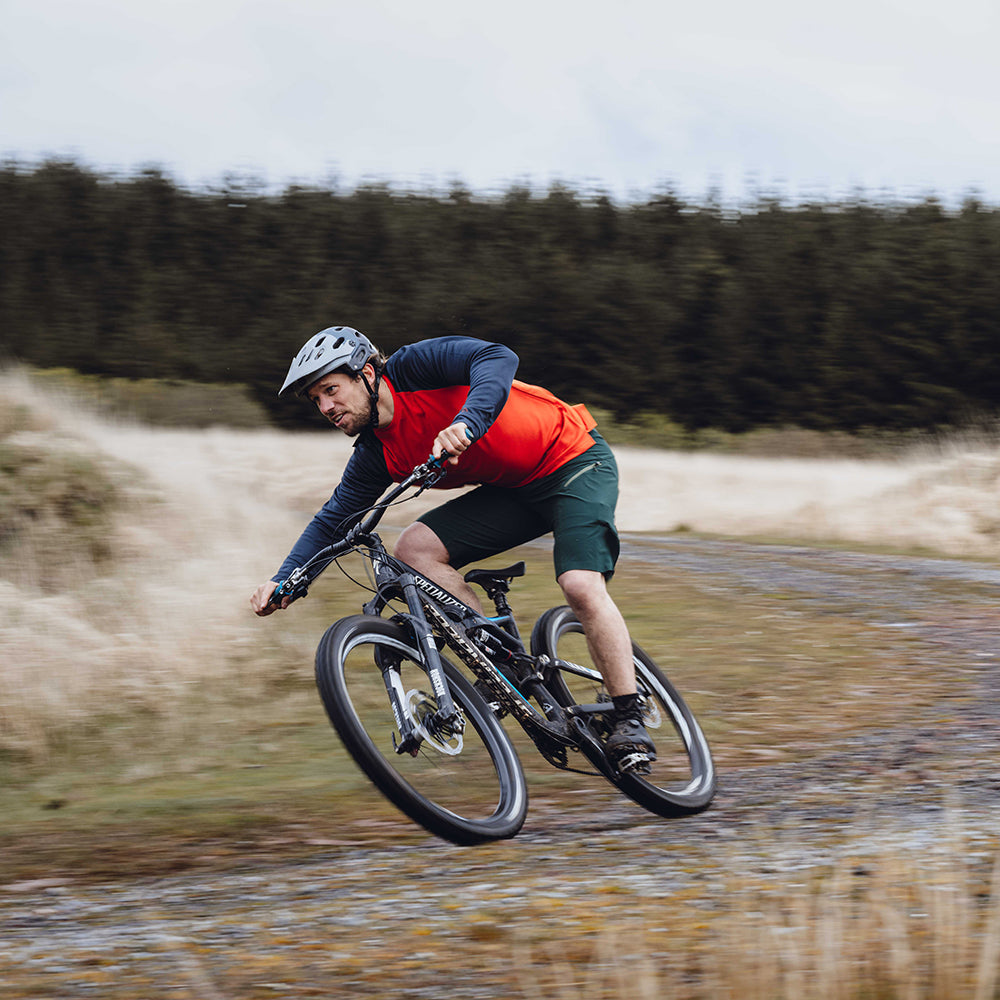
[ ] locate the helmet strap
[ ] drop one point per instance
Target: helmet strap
(372, 396)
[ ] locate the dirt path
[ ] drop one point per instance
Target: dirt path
(383, 910)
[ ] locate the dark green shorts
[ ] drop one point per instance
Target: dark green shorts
(576, 503)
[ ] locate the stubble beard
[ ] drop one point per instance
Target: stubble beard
(351, 426)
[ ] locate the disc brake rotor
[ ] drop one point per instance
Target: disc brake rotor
(651, 715)
(420, 707)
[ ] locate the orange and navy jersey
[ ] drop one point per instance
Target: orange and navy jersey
(520, 432)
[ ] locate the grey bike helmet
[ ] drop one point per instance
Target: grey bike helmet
(330, 349)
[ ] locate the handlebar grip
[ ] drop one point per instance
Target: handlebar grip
(287, 589)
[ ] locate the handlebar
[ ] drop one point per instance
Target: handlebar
(296, 584)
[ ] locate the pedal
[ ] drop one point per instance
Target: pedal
(635, 762)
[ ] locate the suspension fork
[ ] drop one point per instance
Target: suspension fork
(447, 715)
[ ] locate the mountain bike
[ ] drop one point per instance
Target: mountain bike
(417, 684)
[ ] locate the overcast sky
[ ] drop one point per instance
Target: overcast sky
(629, 96)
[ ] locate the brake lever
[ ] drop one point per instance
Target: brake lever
(430, 473)
(296, 585)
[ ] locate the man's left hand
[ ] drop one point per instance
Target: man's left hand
(453, 440)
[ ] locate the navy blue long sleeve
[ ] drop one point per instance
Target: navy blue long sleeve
(488, 369)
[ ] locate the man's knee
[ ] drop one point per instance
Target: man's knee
(419, 546)
(583, 587)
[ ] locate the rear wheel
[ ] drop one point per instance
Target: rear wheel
(464, 785)
(682, 778)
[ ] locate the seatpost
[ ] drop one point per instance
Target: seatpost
(501, 603)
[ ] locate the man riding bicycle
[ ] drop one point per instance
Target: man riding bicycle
(538, 463)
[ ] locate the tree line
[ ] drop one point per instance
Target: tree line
(842, 314)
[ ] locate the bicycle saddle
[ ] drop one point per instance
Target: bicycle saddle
(488, 577)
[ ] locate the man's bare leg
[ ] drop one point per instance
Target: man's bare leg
(610, 645)
(603, 626)
(425, 552)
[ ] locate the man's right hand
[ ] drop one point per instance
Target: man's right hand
(261, 597)
(452, 441)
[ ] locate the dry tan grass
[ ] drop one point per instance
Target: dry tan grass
(197, 527)
(943, 500)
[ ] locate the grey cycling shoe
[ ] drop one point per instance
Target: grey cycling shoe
(629, 746)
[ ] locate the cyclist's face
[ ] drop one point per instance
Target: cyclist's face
(343, 401)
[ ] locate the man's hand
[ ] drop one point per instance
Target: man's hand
(261, 596)
(453, 440)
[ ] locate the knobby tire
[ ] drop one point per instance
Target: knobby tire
(468, 789)
(682, 779)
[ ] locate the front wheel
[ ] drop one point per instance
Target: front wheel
(682, 778)
(466, 785)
